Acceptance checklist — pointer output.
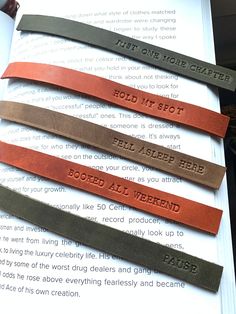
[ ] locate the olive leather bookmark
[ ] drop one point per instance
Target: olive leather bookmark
(157, 257)
(144, 198)
(130, 47)
(156, 106)
(152, 155)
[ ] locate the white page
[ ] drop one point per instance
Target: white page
(6, 31)
(88, 289)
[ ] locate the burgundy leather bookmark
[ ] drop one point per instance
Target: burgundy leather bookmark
(153, 105)
(154, 256)
(156, 156)
(10, 8)
(156, 202)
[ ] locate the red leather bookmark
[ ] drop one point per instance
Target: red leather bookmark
(156, 202)
(153, 105)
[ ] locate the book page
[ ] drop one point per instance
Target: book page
(37, 265)
(6, 32)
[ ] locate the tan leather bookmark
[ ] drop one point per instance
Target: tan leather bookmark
(154, 256)
(156, 156)
(132, 48)
(153, 105)
(190, 213)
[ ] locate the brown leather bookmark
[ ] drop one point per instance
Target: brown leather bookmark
(156, 156)
(153, 105)
(11, 7)
(154, 256)
(190, 213)
(132, 48)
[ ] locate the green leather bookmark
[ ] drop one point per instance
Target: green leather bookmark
(139, 251)
(132, 48)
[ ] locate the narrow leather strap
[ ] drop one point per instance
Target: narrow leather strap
(11, 8)
(130, 47)
(124, 96)
(153, 105)
(156, 156)
(196, 215)
(139, 251)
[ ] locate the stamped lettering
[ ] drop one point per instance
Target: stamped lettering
(154, 54)
(181, 264)
(150, 199)
(123, 144)
(85, 177)
(125, 96)
(117, 188)
(170, 108)
(175, 61)
(126, 45)
(191, 166)
(154, 154)
(151, 53)
(210, 73)
(147, 102)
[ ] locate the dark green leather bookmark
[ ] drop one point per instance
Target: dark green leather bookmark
(132, 48)
(139, 251)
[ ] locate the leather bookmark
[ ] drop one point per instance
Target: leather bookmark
(156, 202)
(11, 7)
(149, 154)
(154, 256)
(153, 105)
(132, 48)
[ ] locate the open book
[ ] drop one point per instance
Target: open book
(42, 271)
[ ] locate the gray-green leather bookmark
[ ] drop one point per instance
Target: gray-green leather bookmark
(139, 251)
(132, 48)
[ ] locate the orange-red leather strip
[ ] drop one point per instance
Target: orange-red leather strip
(150, 200)
(153, 105)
